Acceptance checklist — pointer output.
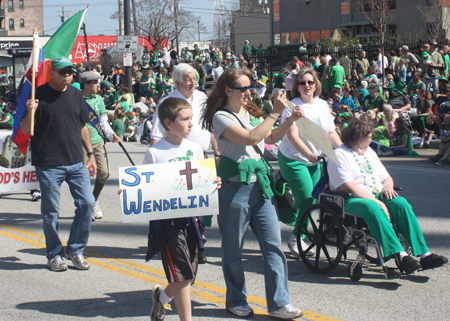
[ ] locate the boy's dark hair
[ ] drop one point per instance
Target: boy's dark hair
(143, 115)
(170, 108)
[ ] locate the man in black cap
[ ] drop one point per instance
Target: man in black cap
(60, 133)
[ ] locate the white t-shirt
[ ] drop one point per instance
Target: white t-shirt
(290, 79)
(217, 72)
(197, 135)
(140, 127)
(379, 62)
(261, 91)
(318, 113)
(350, 170)
(165, 152)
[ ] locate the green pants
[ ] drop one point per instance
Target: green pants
(303, 178)
(381, 229)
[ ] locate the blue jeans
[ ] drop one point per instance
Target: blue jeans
(401, 151)
(241, 206)
(50, 180)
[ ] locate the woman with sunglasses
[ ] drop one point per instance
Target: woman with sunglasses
(246, 197)
(297, 156)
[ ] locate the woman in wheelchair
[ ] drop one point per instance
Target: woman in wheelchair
(374, 199)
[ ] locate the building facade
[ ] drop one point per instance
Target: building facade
(20, 17)
(297, 21)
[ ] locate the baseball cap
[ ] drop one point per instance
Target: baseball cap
(433, 43)
(87, 76)
(61, 62)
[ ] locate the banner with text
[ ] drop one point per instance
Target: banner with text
(168, 190)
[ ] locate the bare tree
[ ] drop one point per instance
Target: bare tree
(379, 13)
(436, 20)
(156, 19)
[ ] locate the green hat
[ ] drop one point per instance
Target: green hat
(443, 78)
(75, 84)
(139, 63)
(125, 106)
(400, 86)
(61, 63)
(262, 81)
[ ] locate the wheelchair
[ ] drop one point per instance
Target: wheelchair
(331, 232)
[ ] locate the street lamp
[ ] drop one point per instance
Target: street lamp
(198, 23)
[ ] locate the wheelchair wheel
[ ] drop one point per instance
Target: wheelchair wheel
(321, 229)
(355, 271)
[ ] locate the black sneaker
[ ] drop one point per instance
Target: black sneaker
(409, 265)
(433, 261)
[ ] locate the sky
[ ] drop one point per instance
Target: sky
(97, 17)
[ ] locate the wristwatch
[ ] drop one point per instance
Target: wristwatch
(90, 153)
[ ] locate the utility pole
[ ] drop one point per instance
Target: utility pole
(63, 17)
(198, 23)
(127, 19)
(121, 18)
(175, 7)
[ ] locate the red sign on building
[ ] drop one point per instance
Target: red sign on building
(95, 46)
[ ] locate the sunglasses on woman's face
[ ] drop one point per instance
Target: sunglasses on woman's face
(241, 89)
(302, 83)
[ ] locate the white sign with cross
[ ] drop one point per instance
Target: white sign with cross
(127, 44)
(168, 190)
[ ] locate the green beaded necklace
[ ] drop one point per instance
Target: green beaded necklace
(366, 171)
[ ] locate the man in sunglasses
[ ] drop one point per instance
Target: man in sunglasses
(60, 133)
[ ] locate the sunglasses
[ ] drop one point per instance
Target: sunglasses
(241, 89)
(302, 83)
(62, 72)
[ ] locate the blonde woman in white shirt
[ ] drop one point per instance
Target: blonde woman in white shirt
(297, 156)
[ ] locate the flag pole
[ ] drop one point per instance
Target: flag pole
(33, 80)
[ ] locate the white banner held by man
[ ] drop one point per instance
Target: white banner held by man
(168, 190)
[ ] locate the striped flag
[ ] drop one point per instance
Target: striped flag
(19, 138)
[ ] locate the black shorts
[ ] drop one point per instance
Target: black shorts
(179, 255)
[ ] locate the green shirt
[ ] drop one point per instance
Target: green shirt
(144, 87)
(373, 102)
(98, 105)
(399, 140)
(337, 75)
(281, 78)
(246, 51)
(11, 119)
(151, 94)
(379, 136)
(104, 84)
(412, 86)
(447, 62)
(118, 127)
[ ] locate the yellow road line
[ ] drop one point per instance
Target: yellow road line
(148, 279)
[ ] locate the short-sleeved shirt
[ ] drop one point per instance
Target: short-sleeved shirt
(281, 78)
(11, 119)
(410, 60)
(337, 75)
(350, 170)
(97, 104)
(201, 74)
(361, 66)
(412, 86)
(399, 140)
(237, 152)
(57, 132)
(318, 113)
(398, 102)
(346, 64)
(165, 152)
(436, 58)
(373, 102)
(423, 108)
(379, 136)
(118, 127)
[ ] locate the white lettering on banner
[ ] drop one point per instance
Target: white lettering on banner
(169, 190)
(8, 45)
(95, 50)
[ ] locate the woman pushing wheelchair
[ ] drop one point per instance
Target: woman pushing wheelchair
(374, 199)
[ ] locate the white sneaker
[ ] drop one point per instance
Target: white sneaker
(292, 244)
(241, 311)
(97, 211)
(287, 312)
(36, 196)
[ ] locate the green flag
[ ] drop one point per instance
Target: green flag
(61, 43)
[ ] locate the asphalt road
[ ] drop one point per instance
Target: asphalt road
(118, 284)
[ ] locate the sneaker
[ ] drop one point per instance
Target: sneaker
(433, 261)
(77, 259)
(98, 214)
(158, 311)
(201, 257)
(426, 77)
(292, 245)
(36, 196)
(441, 162)
(57, 264)
(435, 158)
(286, 313)
(241, 311)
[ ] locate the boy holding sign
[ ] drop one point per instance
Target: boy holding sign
(177, 239)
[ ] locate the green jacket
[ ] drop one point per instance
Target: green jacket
(229, 168)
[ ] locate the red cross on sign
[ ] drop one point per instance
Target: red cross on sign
(188, 172)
